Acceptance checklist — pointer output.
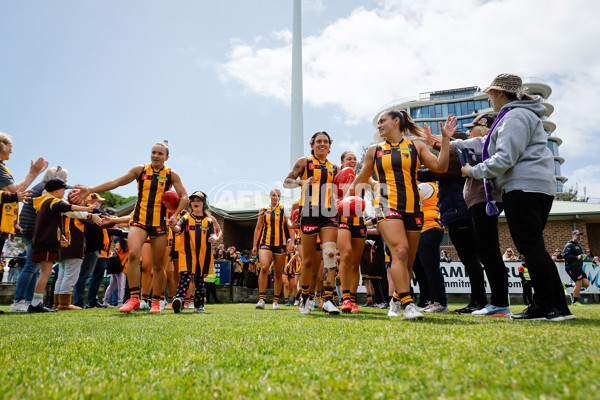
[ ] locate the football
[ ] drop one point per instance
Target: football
(294, 216)
(426, 190)
(170, 200)
(351, 207)
(343, 179)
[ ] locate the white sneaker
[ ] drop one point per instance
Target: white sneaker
(144, 306)
(311, 304)
(260, 305)
(107, 304)
(427, 305)
(435, 308)
(296, 303)
(190, 305)
(395, 309)
(330, 308)
(305, 306)
(275, 305)
(21, 306)
(412, 312)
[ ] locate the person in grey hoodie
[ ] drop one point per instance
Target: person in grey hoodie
(517, 161)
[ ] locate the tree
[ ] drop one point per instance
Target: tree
(114, 200)
(570, 194)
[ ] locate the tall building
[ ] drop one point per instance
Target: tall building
(466, 103)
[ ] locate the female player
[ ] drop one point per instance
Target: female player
(318, 214)
(352, 234)
(271, 237)
(148, 220)
(398, 214)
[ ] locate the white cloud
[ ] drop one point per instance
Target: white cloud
(373, 56)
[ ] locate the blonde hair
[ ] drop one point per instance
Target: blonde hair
(5, 140)
(55, 172)
(480, 130)
(163, 143)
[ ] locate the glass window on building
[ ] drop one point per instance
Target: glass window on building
(559, 186)
(556, 167)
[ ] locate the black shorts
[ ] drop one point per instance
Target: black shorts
(356, 232)
(576, 273)
(312, 225)
(151, 230)
(413, 222)
(273, 249)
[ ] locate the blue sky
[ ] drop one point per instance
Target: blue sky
(91, 85)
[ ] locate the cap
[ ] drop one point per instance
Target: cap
(95, 196)
(55, 184)
(199, 194)
(481, 120)
(576, 232)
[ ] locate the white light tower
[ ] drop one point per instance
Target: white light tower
(297, 131)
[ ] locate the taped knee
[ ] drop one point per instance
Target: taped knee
(329, 250)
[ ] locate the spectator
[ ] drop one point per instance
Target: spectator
(588, 256)
(13, 272)
(526, 283)
(516, 157)
(31, 271)
(557, 256)
(509, 255)
(7, 182)
(444, 256)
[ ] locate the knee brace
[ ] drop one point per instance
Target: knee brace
(329, 248)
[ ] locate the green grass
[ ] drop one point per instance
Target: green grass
(235, 351)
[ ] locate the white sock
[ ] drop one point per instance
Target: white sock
(37, 299)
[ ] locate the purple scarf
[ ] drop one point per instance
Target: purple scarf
(490, 208)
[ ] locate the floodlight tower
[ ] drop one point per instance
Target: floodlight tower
(297, 131)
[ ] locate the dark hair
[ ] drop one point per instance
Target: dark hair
(406, 122)
(515, 97)
(314, 137)
(344, 154)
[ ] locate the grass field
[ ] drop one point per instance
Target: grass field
(235, 351)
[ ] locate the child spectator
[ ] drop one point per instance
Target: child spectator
(49, 235)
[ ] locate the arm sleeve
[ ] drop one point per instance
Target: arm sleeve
(512, 138)
(5, 178)
(8, 197)
(76, 214)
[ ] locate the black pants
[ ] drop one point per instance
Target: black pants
(527, 214)
(427, 265)
(211, 289)
(184, 285)
(486, 228)
(464, 239)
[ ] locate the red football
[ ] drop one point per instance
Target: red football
(351, 206)
(343, 179)
(294, 216)
(170, 200)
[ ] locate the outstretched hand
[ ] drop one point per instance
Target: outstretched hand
(80, 193)
(23, 195)
(449, 127)
(38, 166)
